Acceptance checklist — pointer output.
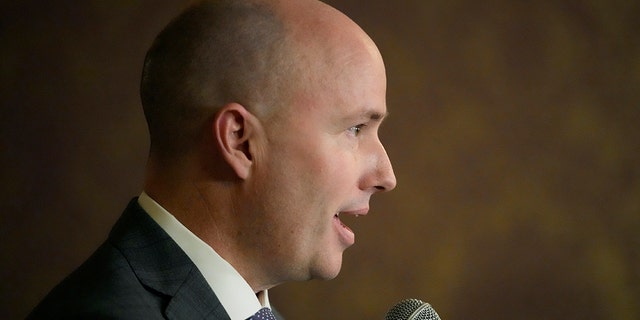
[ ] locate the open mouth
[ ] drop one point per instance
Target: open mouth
(337, 216)
(347, 236)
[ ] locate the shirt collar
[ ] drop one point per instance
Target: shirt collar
(235, 294)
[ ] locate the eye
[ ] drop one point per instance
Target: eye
(355, 130)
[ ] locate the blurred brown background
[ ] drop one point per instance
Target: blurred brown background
(514, 133)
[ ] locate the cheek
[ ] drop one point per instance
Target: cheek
(309, 177)
(302, 191)
(307, 165)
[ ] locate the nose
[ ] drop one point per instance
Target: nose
(383, 177)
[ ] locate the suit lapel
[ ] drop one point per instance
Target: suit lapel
(162, 266)
(195, 295)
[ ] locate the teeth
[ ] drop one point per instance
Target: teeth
(337, 215)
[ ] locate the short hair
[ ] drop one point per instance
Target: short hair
(215, 52)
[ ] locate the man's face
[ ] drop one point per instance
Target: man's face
(321, 162)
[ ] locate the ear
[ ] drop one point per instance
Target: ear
(233, 129)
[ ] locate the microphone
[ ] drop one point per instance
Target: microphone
(412, 309)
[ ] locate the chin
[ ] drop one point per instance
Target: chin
(328, 270)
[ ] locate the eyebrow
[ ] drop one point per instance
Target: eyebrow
(377, 116)
(368, 115)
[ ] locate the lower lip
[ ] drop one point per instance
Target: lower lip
(347, 237)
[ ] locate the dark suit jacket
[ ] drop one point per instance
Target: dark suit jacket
(138, 273)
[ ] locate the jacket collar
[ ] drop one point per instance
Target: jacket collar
(162, 266)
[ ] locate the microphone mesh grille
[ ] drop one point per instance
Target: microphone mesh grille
(412, 309)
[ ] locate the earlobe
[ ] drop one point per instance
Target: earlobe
(233, 129)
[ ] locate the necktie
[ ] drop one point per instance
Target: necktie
(263, 314)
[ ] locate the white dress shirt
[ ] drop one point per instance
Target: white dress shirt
(235, 294)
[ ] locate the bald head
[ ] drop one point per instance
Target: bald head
(326, 43)
(213, 53)
(252, 52)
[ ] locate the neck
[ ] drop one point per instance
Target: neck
(186, 197)
(206, 207)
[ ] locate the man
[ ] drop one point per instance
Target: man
(263, 118)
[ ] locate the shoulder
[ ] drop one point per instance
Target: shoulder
(103, 287)
(107, 284)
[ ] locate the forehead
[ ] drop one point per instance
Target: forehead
(343, 81)
(339, 71)
(356, 90)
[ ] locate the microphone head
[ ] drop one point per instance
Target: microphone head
(412, 309)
